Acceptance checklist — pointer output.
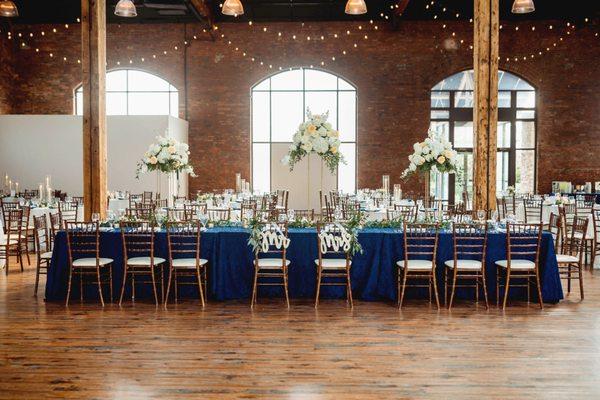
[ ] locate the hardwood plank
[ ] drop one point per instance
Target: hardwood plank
(228, 351)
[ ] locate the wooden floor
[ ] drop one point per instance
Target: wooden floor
(229, 351)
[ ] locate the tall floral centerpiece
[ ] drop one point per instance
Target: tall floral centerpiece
(433, 154)
(316, 135)
(167, 156)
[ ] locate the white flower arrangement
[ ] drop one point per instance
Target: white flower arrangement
(316, 135)
(433, 154)
(166, 155)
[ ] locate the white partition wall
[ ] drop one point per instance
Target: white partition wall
(33, 146)
(308, 177)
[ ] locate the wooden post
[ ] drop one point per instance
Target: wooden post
(93, 60)
(485, 110)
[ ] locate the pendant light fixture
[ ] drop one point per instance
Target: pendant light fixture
(8, 9)
(125, 8)
(233, 8)
(523, 7)
(356, 7)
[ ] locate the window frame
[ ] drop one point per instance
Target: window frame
(304, 91)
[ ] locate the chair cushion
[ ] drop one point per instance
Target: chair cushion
(565, 258)
(187, 263)
(471, 265)
(416, 265)
(46, 256)
(517, 265)
(271, 263)
(144, 261)
(90, 262)
(333, 263)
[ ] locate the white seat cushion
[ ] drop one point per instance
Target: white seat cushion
(46, 256)
(471, 265)
(517, 265)
(187, 263)
(333, 263)
(90, 262)
(565, 258)
(271, 263)
(416, 265)
(144, 261)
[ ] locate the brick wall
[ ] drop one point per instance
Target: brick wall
(393, 72)
(6, 75)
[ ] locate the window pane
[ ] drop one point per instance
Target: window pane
(139, 81)
(347, 172)
(347, 117)
(286, 114)
(79, 103)
(440, 99)
(525, 99)
(463, 134)
(503, 99)
(525, 114)
(525, 134)
(463, 99)
(288, 80)
(148, 103)
(174, 105)
(321, 102)
(525, 174)
(343, 85)
(116, 104)
(439, 114)
(260, 116)
(501, 171)
(264, 85)
(116, 81)
(464, 176)
(503, 134)
(441, 128)
(261, 170)
(319, 80)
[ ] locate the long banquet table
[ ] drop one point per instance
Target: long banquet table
(230, 274)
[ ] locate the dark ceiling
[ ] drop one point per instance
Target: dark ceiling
(149, 11)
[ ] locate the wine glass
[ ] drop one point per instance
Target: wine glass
(95, 217)
(203, 219)
(291, 214)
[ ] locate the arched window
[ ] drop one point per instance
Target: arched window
(452, 117)
(279, 105)
(133, 92)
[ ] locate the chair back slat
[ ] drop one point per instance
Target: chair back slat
(420, 240)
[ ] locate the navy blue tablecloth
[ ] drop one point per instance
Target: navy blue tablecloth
(230, 274)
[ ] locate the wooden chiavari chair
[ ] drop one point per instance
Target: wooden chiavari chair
(68, 211)
(501, 207)
(585, 209)
(8, 206)
(270, 260)
(470, 242)
(148, 197)
(79, 200)
(509, 204)
(523, 254)
(83, 247)
(27, 237)
(134, 199)
(556, 226)
(176, 214)
(329, 210)
(43, 248)
(139, 259)
(586, 201)
(420, 249)
(532, 211)
(596, 247)
(407, 212)
(333, 240)
(141, 211)
(218, 214)
(183, 239)
(570, 259)
(192, 211)
(248, 209)
(159, 203)
(11, 244)
(54, 227)
(350, 209)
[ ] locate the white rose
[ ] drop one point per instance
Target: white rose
(412, 167)
(417, 147)
(419, 160)
(320, 145)
(441, 159)
(307, 147)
